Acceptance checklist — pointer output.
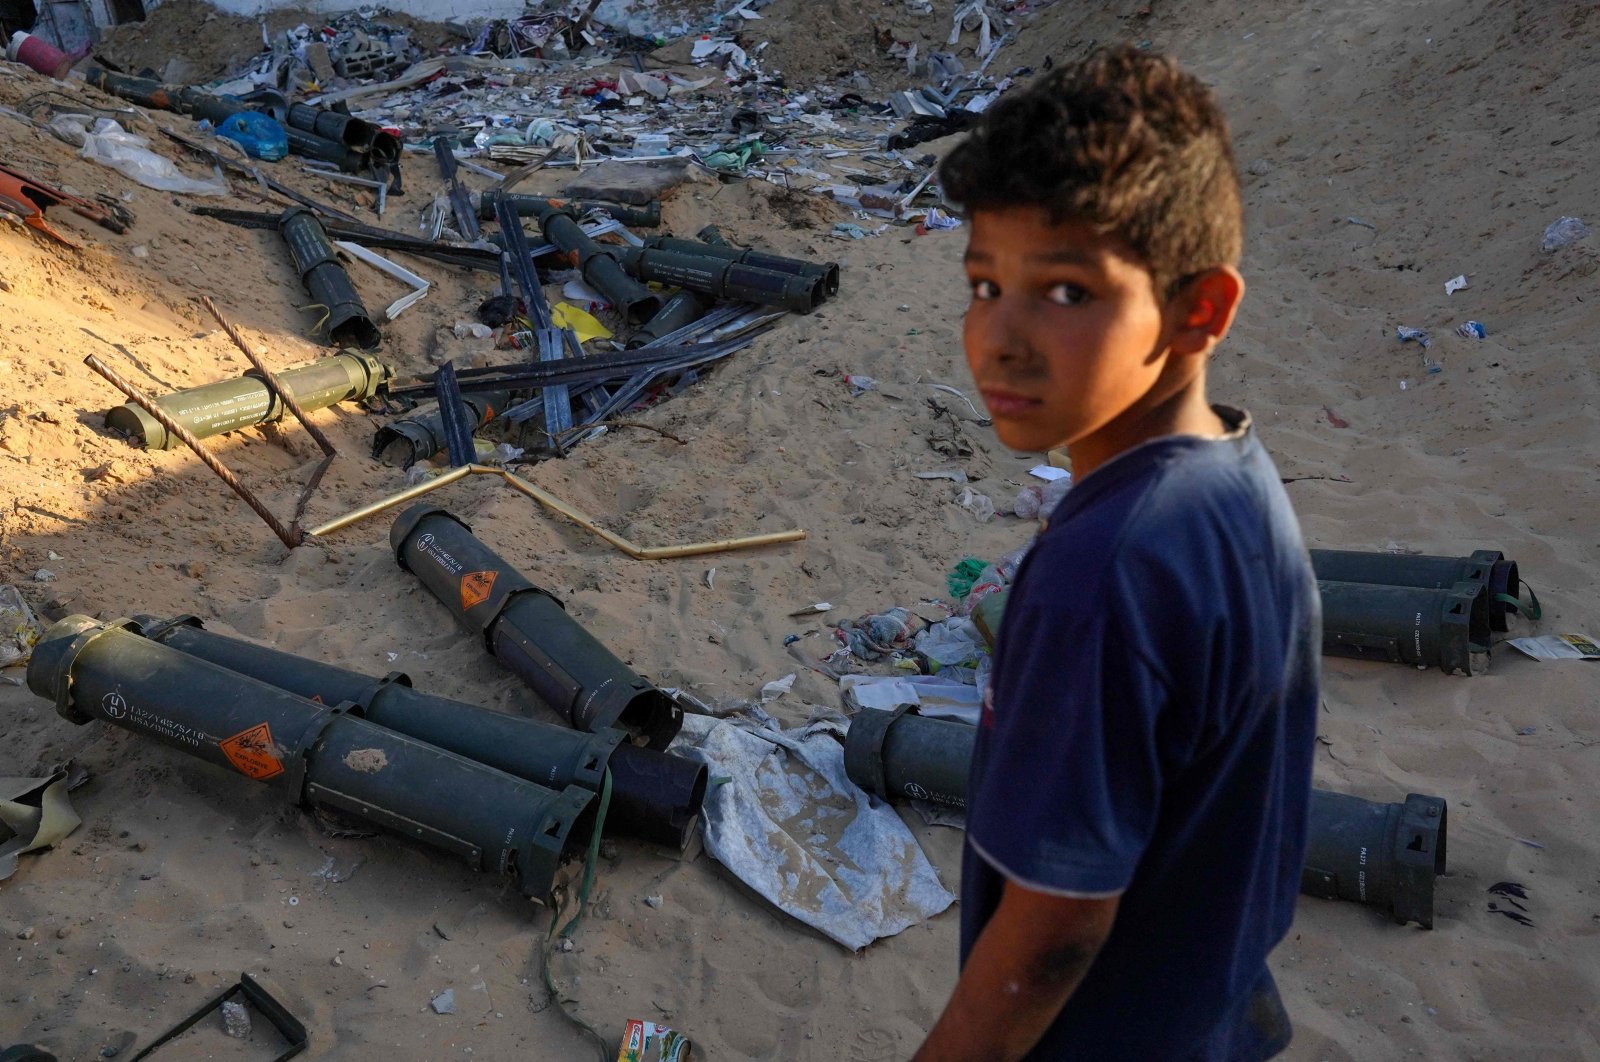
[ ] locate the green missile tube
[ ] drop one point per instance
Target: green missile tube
(229, 405)
(1487, 566)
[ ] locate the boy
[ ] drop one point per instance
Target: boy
(1138, 794)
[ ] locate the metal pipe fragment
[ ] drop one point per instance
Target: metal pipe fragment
(724, 279)
(318, 755)
(1446, 628)
(550, 501)
(897, 755)
(347, 320)
(600, 267)
(528, 630)
(1487, 566)
(1382, 855)
(827, 271)
(417, 438)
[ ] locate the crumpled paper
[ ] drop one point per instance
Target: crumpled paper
(790, 824)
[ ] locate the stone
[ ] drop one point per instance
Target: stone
(444, 1002)
(236, 1020)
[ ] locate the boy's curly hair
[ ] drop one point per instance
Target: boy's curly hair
(1125, 141)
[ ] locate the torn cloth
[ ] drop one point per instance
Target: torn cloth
(794, 828)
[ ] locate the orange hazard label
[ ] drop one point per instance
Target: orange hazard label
(252, 752)
(475, 587)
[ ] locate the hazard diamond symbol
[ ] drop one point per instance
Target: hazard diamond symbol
(253, 753)
(475, 587)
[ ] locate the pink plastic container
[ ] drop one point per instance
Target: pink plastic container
(41, 56)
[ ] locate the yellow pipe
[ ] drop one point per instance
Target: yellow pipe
(550, 501)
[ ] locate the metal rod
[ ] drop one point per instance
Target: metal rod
(288, 536)
(268, 378)
(551, 502)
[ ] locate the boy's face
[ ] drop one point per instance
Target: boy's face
(1064, 332)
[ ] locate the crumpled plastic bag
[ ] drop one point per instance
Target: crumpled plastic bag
(791, 825)
(951, 642)
(19, 630)
(129, 154)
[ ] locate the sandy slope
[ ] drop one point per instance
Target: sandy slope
(1458, 130)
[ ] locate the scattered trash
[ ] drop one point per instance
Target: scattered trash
(1406, 335)
(933, 695)
(812, 610)
(966, 572)
(444, 1002)
(1455, 284)
(107, 143)
(777, 689)
(1558, 647)
(876, 635)
(1334, 418)
(790, 824)
(1049, 473)
(1562, 232)
(937, 220)
(652, 901)
(1472, 330)
(645, 1041)
(36, 813)
(19, 630)
(260, 136)
(977, 504)
(860, 385)
(1363, 224)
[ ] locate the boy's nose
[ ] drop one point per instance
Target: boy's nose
(999, 333)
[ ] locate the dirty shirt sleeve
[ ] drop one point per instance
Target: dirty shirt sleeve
(1069, 785)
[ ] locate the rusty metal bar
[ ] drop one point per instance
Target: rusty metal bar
(290, 537)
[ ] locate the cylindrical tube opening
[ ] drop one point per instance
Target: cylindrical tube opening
(656, 796)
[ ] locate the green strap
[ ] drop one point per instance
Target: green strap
(591, 863)
(1532, 609)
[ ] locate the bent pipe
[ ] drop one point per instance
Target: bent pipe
(528, 630)
(1382, 855)
(1487, 566)
(680, 311)
(228, 405)
(318, 756)
(827, 271)
(417, 438)
(599, 266)
(723, 279)
(326, 280)
(1445, 628)
(644, 217)
(655, 796)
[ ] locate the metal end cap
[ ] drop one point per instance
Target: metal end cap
(406, 524)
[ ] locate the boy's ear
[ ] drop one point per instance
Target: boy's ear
(1204, 309)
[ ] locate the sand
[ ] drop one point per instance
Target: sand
(1456, 129)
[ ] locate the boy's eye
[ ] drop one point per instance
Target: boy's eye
(1067, 294)
(984, 289)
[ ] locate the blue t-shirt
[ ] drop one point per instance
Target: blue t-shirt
(1149, 734)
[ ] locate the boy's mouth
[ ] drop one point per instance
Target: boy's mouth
(1008, 403)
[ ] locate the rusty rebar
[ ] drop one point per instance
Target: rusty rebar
(290, 537)
(288, 400)
(267, 377)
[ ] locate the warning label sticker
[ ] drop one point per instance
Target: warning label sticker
(475, 587)
(252, 752)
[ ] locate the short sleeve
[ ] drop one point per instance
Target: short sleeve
(1070, 786)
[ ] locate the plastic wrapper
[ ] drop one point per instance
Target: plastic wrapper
(109, 144)
(1562, 232)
